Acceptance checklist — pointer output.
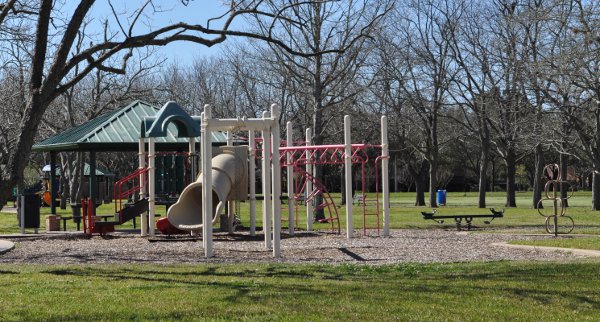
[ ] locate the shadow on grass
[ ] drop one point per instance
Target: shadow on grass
(549, 288)
(157, 279)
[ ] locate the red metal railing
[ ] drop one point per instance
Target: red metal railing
(137, 180)
(318, 189)
(87, 216)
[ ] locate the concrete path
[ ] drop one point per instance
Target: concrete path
(580, 252)
(6, 246)
(8, 209)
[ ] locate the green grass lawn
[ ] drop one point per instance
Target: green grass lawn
(563, 241)
(423, 292)
(9, 224)
(503, 291)
(405, 215)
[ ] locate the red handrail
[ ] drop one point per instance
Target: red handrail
(84, 207)
(139, 176)
(88, 221)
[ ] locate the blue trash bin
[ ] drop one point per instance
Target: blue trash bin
(441, 197)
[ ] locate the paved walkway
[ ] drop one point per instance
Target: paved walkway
(6, 246)
(8, 209)
(576, 251)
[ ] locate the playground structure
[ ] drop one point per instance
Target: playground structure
(293, 158)
(552, 190)
(197, 209)
(230, 182)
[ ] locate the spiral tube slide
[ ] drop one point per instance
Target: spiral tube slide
(229, 181)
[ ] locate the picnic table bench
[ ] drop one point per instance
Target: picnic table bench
(459, 218)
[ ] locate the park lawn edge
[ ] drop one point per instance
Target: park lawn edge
(566, 241)
(498, 290)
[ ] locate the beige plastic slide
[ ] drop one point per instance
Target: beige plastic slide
(229, 182)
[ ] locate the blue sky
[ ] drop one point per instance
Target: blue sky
(168, 12)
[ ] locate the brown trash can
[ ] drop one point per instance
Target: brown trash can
(52, 223)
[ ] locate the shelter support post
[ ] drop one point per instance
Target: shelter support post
(230, 203)
(207, 207)
(266, 183)
(151, 186)
(51, 184)
(192, 159)
(92, 182)
(193, 168)
(276, 181)
(290, 179)
(252, 182)
(143, 187)
(385, 176)
(348, 176)
(309, 187)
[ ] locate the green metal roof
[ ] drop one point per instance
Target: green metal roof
(118, 130)
(100, 171)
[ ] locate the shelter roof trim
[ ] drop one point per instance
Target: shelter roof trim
(117, 130)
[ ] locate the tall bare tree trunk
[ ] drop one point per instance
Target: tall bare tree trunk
(537, 176)
(564, 188)
(432, 183)
(483, 167)
(318, 140)
(35, 107)
(511, 167)
(596, 189)
(420, 183)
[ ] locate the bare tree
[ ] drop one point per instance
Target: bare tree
(419, 62)
(326, 82)
(53, 59)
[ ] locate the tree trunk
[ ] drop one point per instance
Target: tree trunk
(564, 187)
(33, 115)
(76, 183)
(343, 187)
(511, 167)
(596, 190)
(420, 183)
(483, 166)
(319, 213)
(493, 178)
(34, 109)
(420, 190)
(318, 200)
(63, 190)
(432, 183)
(537, 177)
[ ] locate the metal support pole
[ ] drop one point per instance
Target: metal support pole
(192, 156)
(143, 187)
(276, 182)
(348, 175)
(92, 182)
(395, 172)
(51, 185)
(193, 169)
(151, 187)
(385, 176)
(308, 189)
(207, 207)
(266, 183)
(252, 182)
(290, 179)
(230, 204)
(21, 200)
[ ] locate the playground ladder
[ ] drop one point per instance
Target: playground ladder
(318, 188)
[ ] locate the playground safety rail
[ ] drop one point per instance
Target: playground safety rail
(141, 174)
